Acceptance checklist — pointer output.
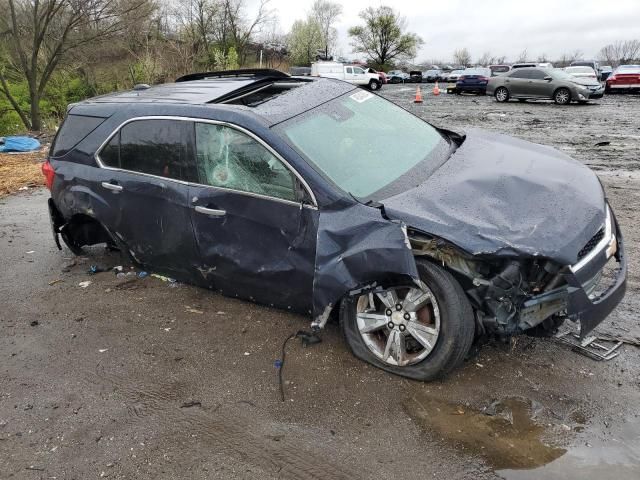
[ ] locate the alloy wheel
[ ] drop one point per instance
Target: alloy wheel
(502, 95)
(399, 326)
(562, 97)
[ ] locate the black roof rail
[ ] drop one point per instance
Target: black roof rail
(245, 72)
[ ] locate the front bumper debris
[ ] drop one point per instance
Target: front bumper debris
(580, 305)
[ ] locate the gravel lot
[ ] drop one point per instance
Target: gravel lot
(130, 378)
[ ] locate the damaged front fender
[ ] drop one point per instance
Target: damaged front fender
(357, 249)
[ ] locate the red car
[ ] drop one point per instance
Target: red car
(383, 77)
(624, 78)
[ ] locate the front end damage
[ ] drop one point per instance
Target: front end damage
(513, 295)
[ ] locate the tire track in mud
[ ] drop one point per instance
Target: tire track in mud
(224, 429)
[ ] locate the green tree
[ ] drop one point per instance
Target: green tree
(383, 37)
(304, 41)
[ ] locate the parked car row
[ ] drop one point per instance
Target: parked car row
(580, 82)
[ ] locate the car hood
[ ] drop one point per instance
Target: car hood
(498, 195)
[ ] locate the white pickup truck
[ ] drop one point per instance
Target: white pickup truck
(349, 73)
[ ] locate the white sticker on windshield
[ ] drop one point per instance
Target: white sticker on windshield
(361, 96)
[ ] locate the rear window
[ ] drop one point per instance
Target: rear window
(163, 148)
(74, 129)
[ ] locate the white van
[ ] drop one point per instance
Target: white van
(349, 73)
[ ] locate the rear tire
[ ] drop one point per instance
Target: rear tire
(448, 311)
(501, 94)
(562, 96)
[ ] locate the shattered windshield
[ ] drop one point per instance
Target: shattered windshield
(367, 146)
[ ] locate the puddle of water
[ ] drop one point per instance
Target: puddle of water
(505, 435)
(615, 458)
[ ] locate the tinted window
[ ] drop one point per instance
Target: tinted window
(110, 153)
(74, 129)
(519, 74)
(537, 74)
(231, 159)
(156, 147)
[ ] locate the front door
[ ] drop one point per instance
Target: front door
(253, 220)
(146, 167)
(538, 86)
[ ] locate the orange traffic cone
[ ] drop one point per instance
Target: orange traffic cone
(436, 89)
(418, 96)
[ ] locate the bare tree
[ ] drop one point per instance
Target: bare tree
(543, 58)
(42, 34)
(236, 29)
(620, 52)
(462, 56)
(485, 59)
(523, 56)
(325, 14)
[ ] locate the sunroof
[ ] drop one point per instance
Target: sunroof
(261, 94)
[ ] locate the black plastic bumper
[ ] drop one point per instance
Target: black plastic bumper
(590, 312)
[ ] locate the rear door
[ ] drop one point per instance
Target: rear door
(254, 221)
(146, 167)
(517, 82)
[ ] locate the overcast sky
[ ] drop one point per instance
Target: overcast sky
(503, 27)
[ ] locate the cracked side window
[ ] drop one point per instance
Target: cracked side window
(231, 159)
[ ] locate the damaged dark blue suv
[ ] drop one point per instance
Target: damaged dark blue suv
(312, 195)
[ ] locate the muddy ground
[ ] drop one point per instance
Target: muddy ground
(138, 378)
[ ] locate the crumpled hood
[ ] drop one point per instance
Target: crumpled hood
(504, 196)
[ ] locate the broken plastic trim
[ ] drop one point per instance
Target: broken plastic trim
(357, 250)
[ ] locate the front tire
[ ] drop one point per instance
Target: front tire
(373, 85)
(501, 94)
(418, 333)
(562, 96)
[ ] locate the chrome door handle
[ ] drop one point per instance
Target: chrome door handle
(112, 186)
(210, 211)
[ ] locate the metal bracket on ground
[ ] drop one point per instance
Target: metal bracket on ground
(593, 347)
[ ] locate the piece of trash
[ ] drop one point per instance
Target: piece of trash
(117, 269)
(84, 284)
(125, 275)
(34, 323)
(102, 350)
(30, 252)
(22, 189)
(68, 266)
(32, 467)
(53, 282)
(479, 365)
(19, 144)
(93, 269)
(193, 310)
(168, 329)
(459, 411)
(246, 354)
(277, 363)
(163, 278)
(220, 313)
(192, 403)
(142, 274)
(602, 144)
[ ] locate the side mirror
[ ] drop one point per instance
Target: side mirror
(548, 78)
